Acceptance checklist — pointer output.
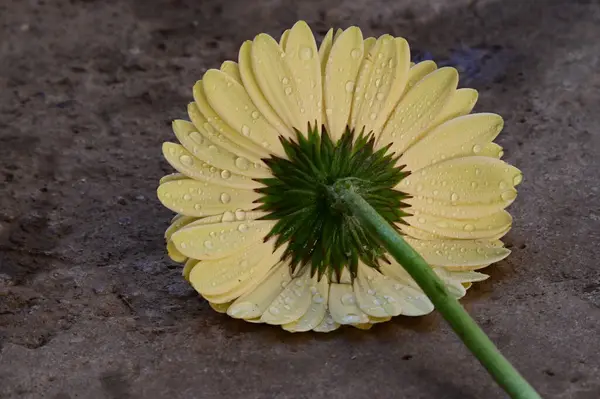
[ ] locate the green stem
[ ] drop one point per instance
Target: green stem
(469, 332)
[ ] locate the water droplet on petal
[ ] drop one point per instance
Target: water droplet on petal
(508, 195)
(274, 310)
(240, 214)
(245, 130)
(255, 114)
(183, 245)
(288, 90)
(349, 86)
(355, 53)
(285, 81)
(306, 53)
(468, 227)
(225, 198)
(318, 298)
(242, 163)
(476, 149)
(208, 244)
(225, 174)
(502, 185)
(373, 116)
(454, 197)
(186, 160)
(351, 319)
(228, 217)
(329, 111)
(242, 228)
(187, 197)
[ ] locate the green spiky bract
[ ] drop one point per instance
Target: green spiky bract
(319, 230)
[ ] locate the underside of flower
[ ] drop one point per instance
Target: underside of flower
(316, 228)
(259, 227)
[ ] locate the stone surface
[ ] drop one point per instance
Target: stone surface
(91, 308)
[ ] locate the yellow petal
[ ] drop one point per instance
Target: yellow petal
(368, 44)
(340, 79)
(411, 299)
(259, 100)
(325, 49)
(215, 278)
(292, 303)
(469, 180)
(378, 91)
(185, 162)
(231, 68)
(219, 307)
(284, 38)
(232, 103)
(196, 198)
(302, 56)
(218, 139)
(327, 324)
(485, 227)
(220, 240)
(418, 72)
(276, 82)
(448, 209)
(461, 103)
(174, 254)
(317, 310)
(458, 252)
(206, 151)
(374, 293)
(454, 287)
(187, 268)
(343, 306)
(418, 108)
(492, 150)
(459, 137)
(177, 224)
(216, 125)
(171, 177)
(254, 303)
(417, 233)
(467, 276)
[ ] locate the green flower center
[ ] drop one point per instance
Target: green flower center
(301, 196)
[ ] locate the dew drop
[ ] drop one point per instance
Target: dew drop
(477, 172)
(306, 53)
(197, 207)
(187, 197)
(208, 244)
(228, 217)
(377, 82)
(245, 130)
(373, 116)
(371, 292)
(183, 245)
(476, 149)
(421, 220)
(240, 214)
(225, 198)
(329, 111)
(380, 96)
(285, 81)
(351, 319)
(225, 174)
(355, 53)
(468, 227)
(349, 86)
(242, 163)
(454, 197)
(242, 228)
(474, 184)
(502, 185)
(186, 160)
(208, 127)
(318, 298)
(196, 138)
(288, 91)
(255, 115)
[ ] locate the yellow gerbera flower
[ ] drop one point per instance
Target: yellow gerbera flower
(262, 238)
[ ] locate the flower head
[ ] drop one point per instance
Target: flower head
(258, 228)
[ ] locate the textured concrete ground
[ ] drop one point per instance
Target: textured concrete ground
(91, 308)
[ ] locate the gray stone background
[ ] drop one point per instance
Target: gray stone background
(91, 308)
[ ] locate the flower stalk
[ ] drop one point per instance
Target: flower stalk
(465, 327)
